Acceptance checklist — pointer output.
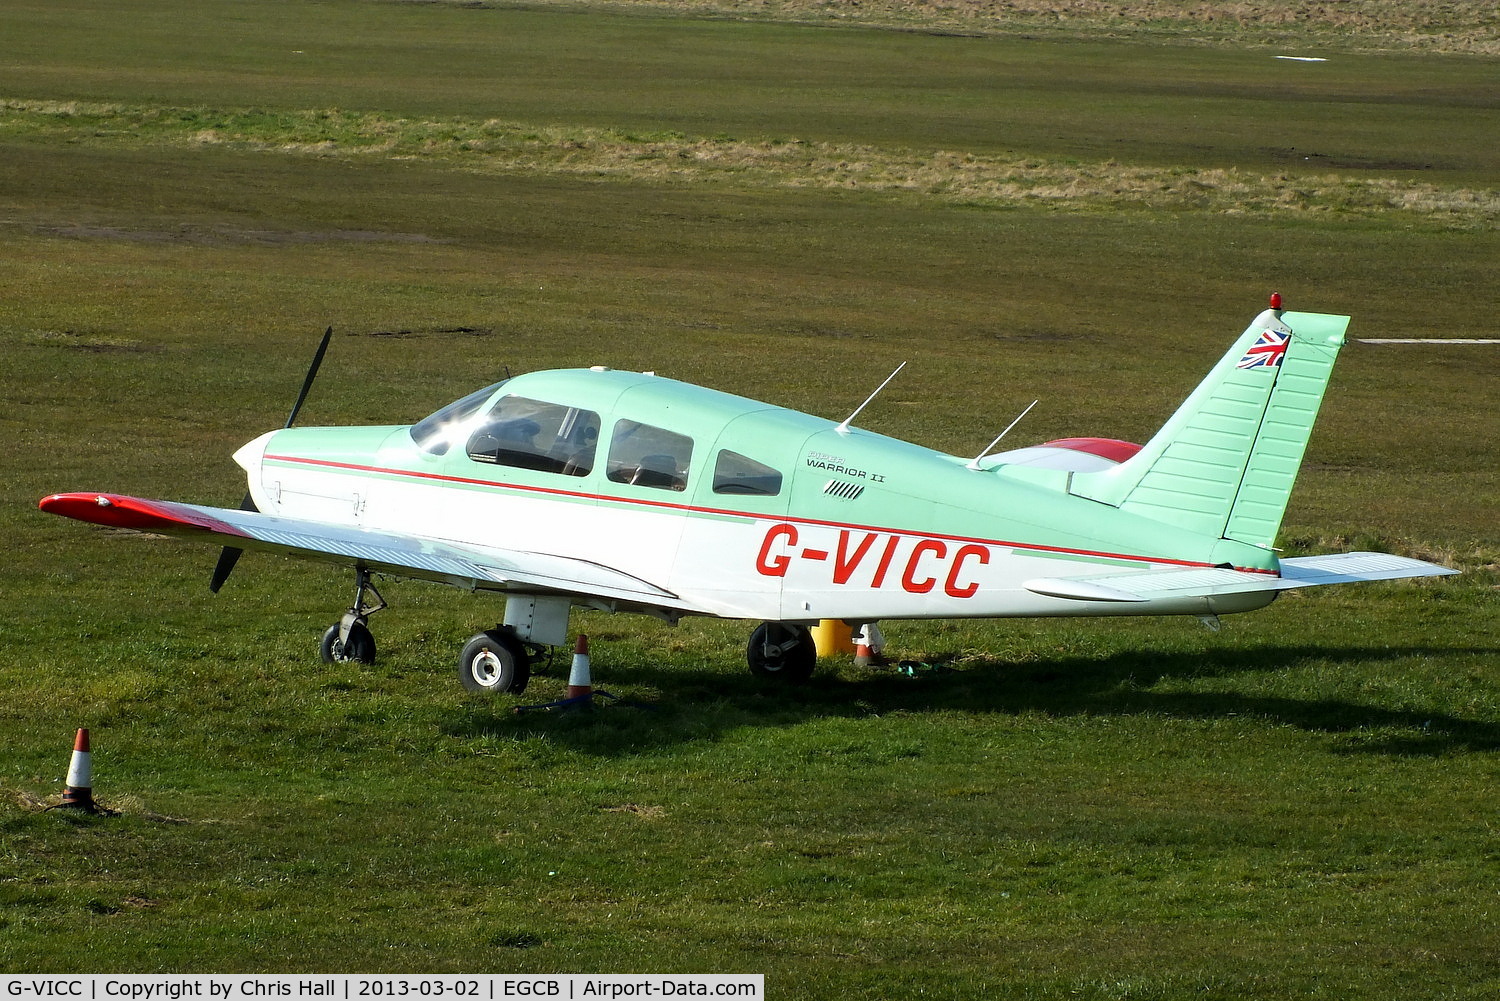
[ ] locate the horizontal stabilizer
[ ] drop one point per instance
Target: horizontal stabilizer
(1207, 582)
(1351, 568)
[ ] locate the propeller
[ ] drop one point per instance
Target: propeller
(312, 373)
(230, 555)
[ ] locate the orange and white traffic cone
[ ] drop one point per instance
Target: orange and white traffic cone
(868, 644)
(580, 684)
(78, 791)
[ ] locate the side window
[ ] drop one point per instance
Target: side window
(647, 456)
(530, 434)
(739, 474)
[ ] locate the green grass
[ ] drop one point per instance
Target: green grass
(1066, 810)
(1298, 806)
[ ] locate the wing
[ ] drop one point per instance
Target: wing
(1206, 582)
(466, 566)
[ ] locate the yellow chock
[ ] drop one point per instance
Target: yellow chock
(833, 637)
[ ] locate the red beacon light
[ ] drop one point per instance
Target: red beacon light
(1276, 300)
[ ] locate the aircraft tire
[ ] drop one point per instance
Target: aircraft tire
(494, 662)
(359, 647)
(782, 653)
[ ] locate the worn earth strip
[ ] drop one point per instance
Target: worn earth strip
(1471, 26)
(670, 157)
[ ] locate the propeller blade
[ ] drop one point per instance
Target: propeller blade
(312, 373)
(229, 555)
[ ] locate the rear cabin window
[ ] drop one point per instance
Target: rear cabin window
(531, 434)
(739, 474)
(647, 456)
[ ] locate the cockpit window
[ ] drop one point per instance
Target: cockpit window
(647, 456)
(531, 434)
(739, 474)
(436, 434)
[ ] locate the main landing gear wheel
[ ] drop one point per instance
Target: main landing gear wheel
(360, 646)
(494, 661)
(782, 652)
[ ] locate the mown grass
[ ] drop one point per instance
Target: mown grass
(1299, 806)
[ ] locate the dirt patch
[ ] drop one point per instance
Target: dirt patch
(1034, 334)
(432, 332)
(73, 340)
(1335, 161)
(636, 809)
(224, 235)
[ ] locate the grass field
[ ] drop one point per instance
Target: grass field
(782, 201)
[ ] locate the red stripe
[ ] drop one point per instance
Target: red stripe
(692, 509)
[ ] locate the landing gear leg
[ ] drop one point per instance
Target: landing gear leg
(350, 639)
(782, 652)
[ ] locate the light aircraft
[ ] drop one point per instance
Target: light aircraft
(630, 492)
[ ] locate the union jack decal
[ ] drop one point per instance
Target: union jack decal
(1267, 351)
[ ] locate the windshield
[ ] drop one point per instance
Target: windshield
(436, 434)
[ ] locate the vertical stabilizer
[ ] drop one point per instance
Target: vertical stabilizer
(1224, 464)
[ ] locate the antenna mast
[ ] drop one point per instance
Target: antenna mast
(844, 427)
(975, 464)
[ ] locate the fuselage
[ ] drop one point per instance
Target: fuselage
(740, 508)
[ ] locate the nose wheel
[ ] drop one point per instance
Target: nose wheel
(350, 639)
(355, 643)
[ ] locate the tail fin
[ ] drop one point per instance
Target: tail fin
(1224, 464)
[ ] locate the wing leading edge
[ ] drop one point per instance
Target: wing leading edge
(469, 567)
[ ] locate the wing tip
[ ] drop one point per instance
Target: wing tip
(136, 513)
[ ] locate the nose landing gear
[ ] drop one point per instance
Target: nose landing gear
(497, 660)
(350, 639)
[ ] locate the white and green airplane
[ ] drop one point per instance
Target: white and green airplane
(629, 492)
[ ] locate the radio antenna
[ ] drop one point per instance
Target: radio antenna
(1002, 434)
(844, 427)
